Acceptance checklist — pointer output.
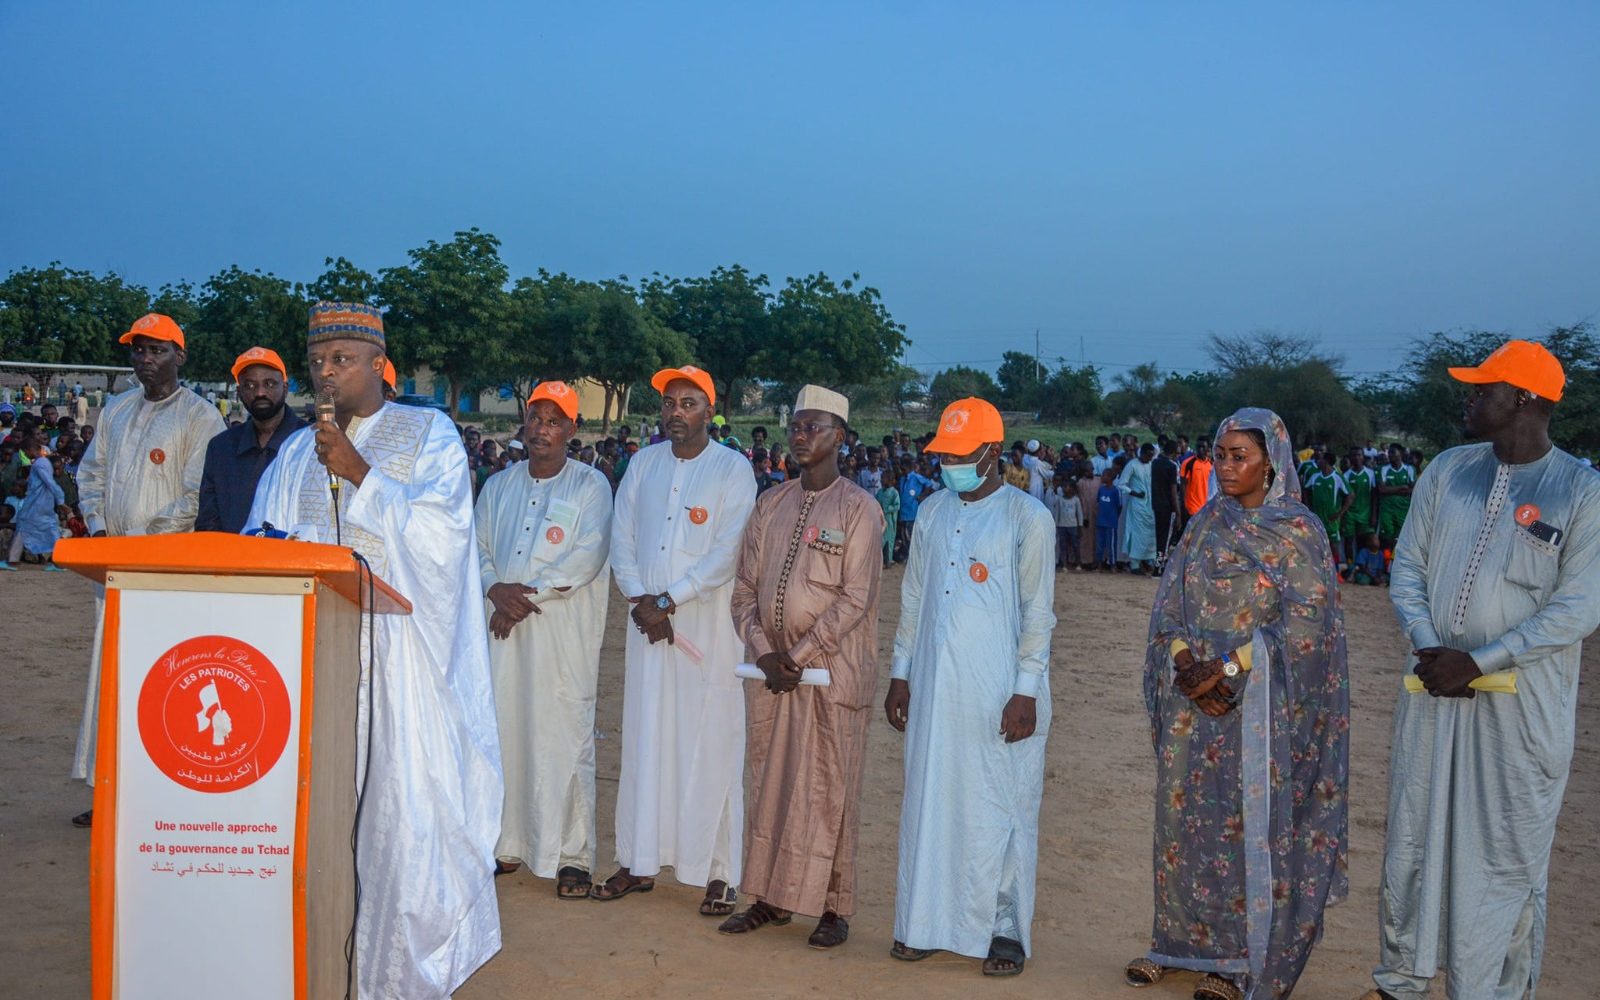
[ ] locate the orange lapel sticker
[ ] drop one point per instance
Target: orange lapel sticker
(812, 534)
(979, 572)
(555, 534)
(157, 456)
(1527, 514)
(698, 515)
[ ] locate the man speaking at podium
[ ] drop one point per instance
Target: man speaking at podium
(391, 482)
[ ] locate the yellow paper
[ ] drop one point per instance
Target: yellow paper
(1499, 682)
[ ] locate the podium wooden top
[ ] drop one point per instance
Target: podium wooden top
(216, 553)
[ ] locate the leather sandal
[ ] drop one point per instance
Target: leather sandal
(1142, 972)
(756, 917)
(832, 931)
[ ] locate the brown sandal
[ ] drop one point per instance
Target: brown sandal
(1004, 949)
(719, 900)
(756, 917)
(832, 931)
(1215, 987)
(620, 885)
(572, 883)
(1142, 972)
(505, 867)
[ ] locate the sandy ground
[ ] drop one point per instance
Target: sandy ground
(1094, 890)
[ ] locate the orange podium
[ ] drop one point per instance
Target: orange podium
(225, 779)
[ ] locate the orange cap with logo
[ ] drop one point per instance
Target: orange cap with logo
(558, 393)
(389, 373)
(157, 327)
(1521, 363)
(259, 356)
(966, 424)
(700, 377)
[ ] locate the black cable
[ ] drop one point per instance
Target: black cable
(364, 570)
(338, 533)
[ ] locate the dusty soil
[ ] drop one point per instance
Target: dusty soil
(1094, 864)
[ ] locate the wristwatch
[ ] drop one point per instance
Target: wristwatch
(663, 602)
(1230, 667)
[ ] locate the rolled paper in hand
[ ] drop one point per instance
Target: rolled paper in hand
(688, 648)
(811, 676)
(1499, 682)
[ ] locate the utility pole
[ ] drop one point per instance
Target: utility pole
(1038, 369)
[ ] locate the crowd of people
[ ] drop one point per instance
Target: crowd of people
(752, 577)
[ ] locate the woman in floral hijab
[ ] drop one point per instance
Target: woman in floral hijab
(1248, 693)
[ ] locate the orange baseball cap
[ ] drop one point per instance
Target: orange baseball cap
(155, 326)
(698, 376)
(558, 393)
(389, 374)
(259, 356)
(966, 424)
(1521, 363)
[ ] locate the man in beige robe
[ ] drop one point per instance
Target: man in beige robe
(806, 596)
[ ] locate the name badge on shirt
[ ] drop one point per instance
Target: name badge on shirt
(560, 519)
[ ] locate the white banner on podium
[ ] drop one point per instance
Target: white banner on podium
(206, 794)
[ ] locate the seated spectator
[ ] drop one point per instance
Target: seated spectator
(1370, 568)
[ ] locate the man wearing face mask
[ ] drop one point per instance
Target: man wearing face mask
(236, 458)
(970, 691)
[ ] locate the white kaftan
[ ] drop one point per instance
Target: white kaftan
(139, 476)
(970, 638)
(677, 530)
(1475, 784)
(547, 533)
(431, 803)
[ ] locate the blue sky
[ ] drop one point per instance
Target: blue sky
(1124, 177)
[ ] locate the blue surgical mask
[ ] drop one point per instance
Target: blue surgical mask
(961, 478)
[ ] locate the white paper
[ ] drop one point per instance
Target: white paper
(812, 676)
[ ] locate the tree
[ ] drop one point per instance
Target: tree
(1070, 394)
(625, 344)
(1022, 381)
(724, 317)
(961, 382)
(449, 310)
(1262, 349)
(1143, 395)
(238, 310)
(831, 333)
(57, 314)
(343, 282)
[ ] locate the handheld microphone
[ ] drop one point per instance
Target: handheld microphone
(325, 415)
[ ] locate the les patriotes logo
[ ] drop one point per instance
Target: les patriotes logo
(214, 714)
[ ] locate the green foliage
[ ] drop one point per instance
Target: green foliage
(830, 334)
(449, 309)
(724, 316)
(1071, 394)
(1147, 397)
(59, 314)
(235, 311)
(1022, 382)
(343, 282)
(961, 382)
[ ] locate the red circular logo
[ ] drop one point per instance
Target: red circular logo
(698, 515)
(157, 456)
(813, 533)
(555, 534)
(214, 714)
(1527, 514)
(979, 572)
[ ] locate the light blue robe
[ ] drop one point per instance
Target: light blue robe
(1476, 784)
(37, 523)
(969, 825)
(1139, 521)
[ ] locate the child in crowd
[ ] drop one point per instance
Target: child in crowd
(1062, 499)
(889, 499)
(1108, 507)
(1370, 569)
